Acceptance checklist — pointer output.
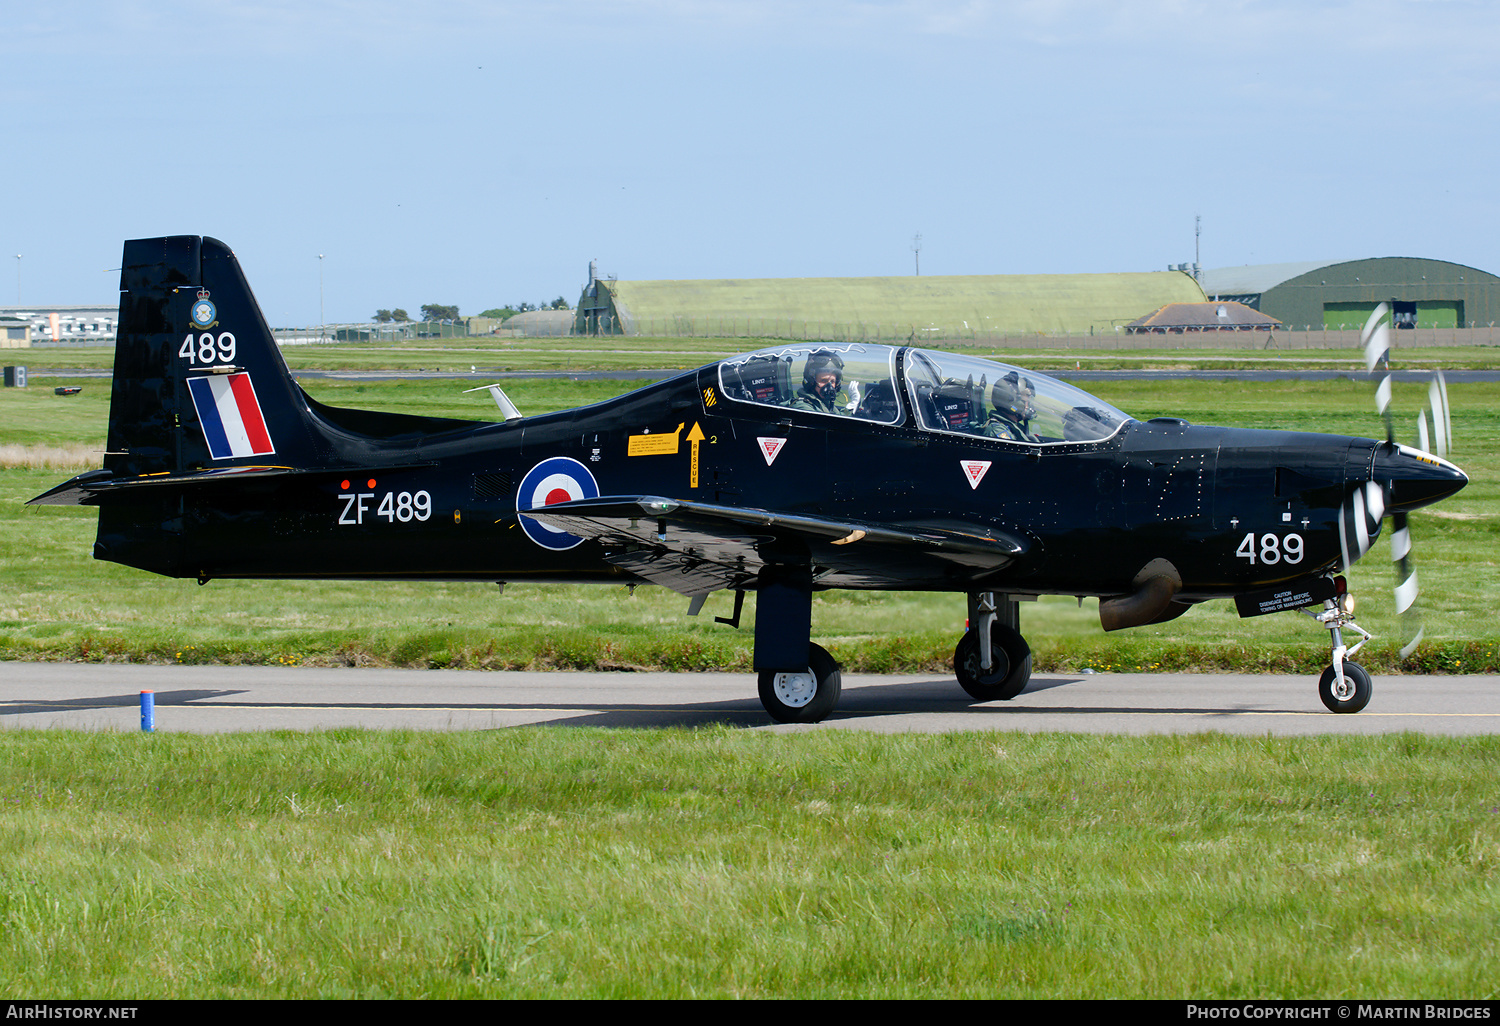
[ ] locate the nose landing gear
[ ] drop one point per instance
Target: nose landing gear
(1344, 687)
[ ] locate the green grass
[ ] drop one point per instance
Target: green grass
(543, 862)
(56, 602)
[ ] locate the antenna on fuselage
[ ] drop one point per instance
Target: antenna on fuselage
(502, 400)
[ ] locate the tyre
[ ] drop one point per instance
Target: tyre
(804, 697)
(1008, 676)
(1356, 693)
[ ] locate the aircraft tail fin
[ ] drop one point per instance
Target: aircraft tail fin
(198, 380)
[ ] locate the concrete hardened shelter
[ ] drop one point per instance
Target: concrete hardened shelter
(915, 307)
(1422, 293)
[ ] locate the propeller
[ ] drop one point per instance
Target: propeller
(1376, 341)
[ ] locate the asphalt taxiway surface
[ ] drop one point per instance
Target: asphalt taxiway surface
(214, 699)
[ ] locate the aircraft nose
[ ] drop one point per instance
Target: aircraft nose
(1416, 478)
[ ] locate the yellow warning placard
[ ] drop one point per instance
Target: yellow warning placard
(664, 444)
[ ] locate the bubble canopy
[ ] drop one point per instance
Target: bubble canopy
(932, 390)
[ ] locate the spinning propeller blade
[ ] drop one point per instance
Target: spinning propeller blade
(1406, 584)
(1442, 419)
(1375, 339)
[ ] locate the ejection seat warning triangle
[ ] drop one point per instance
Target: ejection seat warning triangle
(769, 447)
(974, 470)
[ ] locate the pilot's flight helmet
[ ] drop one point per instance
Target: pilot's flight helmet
(822, 360)
(1012, 394)
(819, 362)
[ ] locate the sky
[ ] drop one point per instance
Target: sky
(367, 154)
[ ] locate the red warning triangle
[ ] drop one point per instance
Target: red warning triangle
(769, 447)
(974, 470)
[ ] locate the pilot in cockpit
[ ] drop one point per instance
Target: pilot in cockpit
(1011, 417)
(822, 377)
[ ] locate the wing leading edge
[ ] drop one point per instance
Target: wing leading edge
(695, 548)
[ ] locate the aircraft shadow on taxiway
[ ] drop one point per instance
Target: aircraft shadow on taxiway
(29, 707)
(874, 701)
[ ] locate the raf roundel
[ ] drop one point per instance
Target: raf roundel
(560, 479)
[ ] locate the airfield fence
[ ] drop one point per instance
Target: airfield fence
(1284, 338)
(1312, 337)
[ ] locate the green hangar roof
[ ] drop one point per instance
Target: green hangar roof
(1422, 293)
(882, 307)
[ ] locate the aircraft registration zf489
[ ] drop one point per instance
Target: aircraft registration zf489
(781, 472)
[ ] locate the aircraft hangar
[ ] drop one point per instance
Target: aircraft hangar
(1321, 294)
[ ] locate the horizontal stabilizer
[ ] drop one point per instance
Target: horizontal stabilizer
(100, 487)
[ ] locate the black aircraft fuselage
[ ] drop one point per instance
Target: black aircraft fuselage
(1091, 515)
(918, 470)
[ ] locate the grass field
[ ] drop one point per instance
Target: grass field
(721, 863)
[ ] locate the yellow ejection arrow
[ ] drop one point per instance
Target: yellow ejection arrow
(695, 436)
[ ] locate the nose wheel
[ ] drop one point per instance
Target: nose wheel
(1347, 692)
(1344, 687)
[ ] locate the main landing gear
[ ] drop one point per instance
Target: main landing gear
(799, 682)
(805, 696)
(992, 660)
(1344, 687)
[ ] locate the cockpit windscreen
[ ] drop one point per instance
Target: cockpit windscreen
(959, 394)
(972, 396)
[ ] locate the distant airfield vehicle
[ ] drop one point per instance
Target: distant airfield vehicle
(781, 472)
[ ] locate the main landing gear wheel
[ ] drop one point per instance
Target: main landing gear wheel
(804, 697)
(1010, 670)
(1354, 694)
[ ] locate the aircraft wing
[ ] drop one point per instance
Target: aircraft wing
(697, 547)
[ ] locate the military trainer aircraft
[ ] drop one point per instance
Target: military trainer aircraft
(780, 472)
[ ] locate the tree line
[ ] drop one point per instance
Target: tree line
(440, 312)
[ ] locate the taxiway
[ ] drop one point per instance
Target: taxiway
(213, 699)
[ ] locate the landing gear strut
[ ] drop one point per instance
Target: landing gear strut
(799, 681)
(1344, 687)
(992, 660)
